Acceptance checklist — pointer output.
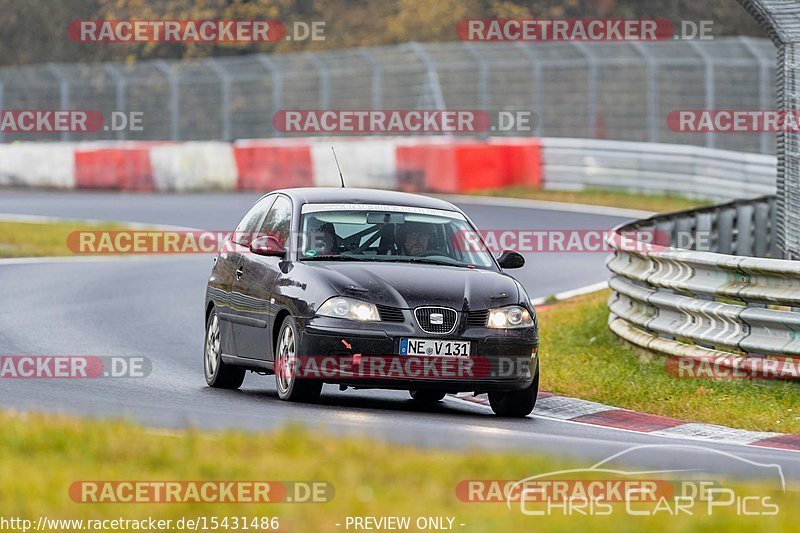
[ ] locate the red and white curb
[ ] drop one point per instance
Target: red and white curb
(579, 411)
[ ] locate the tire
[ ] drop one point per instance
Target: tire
(290, 387)
(427, 396)
(219, 374)
(518, 403)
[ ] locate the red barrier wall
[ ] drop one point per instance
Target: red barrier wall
(114, 168)
(270, 167)
(460, 167)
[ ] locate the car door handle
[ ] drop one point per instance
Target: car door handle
(239, 273)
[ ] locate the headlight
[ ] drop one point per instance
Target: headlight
(513, 316)
(340, 307)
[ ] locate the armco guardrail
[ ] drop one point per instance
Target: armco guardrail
(656, 168)
(721, 293)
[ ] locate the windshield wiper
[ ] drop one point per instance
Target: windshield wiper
(335, 258)
(425, 260)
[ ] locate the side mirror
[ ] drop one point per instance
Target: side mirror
(268, 246)
(509, 259)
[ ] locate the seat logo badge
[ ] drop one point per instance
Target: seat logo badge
(437, 318)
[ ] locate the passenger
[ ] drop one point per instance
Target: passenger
(417, 238)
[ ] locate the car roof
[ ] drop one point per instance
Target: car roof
(354, 195)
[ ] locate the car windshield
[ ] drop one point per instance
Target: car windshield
(358, 232)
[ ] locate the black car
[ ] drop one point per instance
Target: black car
(369, 289)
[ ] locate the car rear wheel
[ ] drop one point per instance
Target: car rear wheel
(427, 396)
(517, 403)
(219, 374)
(290, 387)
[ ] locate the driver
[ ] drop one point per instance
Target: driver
(417, 238)
(323, 240)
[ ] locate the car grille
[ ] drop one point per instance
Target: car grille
(449, 317)
(477, 319)
(390, 314)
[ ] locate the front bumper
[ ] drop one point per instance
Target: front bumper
(366, 355)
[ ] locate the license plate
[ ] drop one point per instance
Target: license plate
(435, 348)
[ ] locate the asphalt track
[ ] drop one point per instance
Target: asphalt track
(152, 307)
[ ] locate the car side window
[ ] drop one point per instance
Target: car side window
(278, 222)
(252, 220)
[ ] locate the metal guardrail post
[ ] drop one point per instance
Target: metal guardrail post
(324, 81)
(277, 87)
(432, 74)
(120, 96)
(710, 98)
(63, 89)
(174, 98)
(225, 95)
(653, 121)
(376, 91)
(536, 71)
(591, 62)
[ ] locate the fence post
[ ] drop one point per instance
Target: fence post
(711, 139)
(591, 62)
(63, 89)
(652, 91)
(174, 98)
(376, 92)
(225, 95)
(764, 89)
(536, 71)
(324, 81)
(483, 82)
(120, 96)
(277, 87)
(431, 73)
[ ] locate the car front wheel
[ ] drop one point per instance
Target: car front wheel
(517, 403)
(290, 387)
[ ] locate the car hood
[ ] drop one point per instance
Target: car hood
(412, 285)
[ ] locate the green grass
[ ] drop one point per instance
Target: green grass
(605, 197)
(581, 357)
(37, 239)
(41, 456)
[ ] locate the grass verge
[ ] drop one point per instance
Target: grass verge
(42, 456)
(43, 239)
(606, 197)
(581, 357)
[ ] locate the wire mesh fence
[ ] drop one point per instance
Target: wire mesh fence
(610, 90)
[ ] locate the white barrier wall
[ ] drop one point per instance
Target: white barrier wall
(193, 166)
(37, 165)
